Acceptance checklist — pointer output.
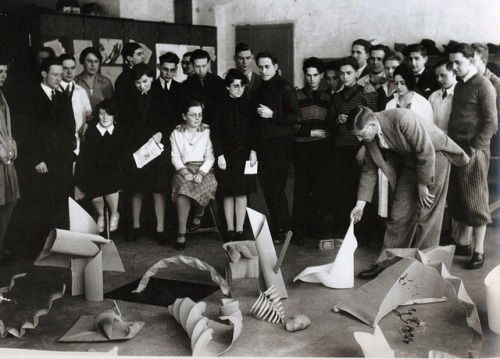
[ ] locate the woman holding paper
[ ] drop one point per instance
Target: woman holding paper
(234, 137)
(148, 116)
(193, 159)
(9, 189)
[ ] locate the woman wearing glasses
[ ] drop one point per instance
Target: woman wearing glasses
(193, 184)
(234, 143)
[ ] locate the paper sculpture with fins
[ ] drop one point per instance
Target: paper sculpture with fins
(338, 274)
(374, 345)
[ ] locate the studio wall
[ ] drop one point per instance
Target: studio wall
(326, 28)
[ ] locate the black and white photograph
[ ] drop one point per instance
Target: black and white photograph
(249, 178)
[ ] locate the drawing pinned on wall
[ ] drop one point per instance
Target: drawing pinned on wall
(179, 50)
(78, 47)
(111, 51)
(147, 51)
(55, 45)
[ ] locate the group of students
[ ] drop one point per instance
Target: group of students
(212, 128)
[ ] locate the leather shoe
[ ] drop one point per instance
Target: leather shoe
(463, 250)
(371, 272)
(162, 238)
(279, 239)
(476, 261)
(135, 234)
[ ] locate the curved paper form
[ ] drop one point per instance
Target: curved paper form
(189, 261)
(33, 324)
(338, 274)
(268, 307)
(8, 288)
(374, 345)
(410, 280)
(492, 284)
(107, 326)
(208, 337)
(80, 220)
(267, 253)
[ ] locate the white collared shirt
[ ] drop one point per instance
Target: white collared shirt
(47, 90)
(165, 83)
(441, 108)
(381, 140)
(471, 73)
(102, 130)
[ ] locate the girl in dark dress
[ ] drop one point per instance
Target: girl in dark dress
(234, 144)
(99, 171)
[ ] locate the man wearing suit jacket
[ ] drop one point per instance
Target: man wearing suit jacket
(420, 181)
(243, 56)
(416, 56)
(49, 156)
(170, 88)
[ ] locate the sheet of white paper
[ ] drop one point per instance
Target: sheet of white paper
(374, 345)
(147, 153)
(55, 45)
(338, 274)
(249, 170)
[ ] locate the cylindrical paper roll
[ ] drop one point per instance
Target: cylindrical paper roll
(93, 279)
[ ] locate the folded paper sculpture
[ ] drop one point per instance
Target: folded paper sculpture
(338, 274)
(84, 251)
(32, 353)
(18, 333)
(242, 260)
(410, 281)
(268, 307)
(267, 253)
(107, 326)
(208, 337)
(374, 345)
(189, 261)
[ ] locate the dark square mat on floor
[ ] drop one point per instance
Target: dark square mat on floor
(162, 292)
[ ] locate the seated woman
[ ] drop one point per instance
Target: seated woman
(406, 97)
(99, 170)
(234, 143)
(193, 159)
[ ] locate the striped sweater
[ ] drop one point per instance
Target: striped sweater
(315, 114)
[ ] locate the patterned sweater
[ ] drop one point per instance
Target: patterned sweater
(315, 109)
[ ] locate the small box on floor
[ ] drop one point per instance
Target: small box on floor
(325, 244)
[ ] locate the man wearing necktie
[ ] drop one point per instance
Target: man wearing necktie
(244, 59)
(48, 144)
(416, 55)
(419, 181)
(77, 96)
(441, 99)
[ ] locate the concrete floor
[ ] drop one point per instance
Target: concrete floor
(330, 335)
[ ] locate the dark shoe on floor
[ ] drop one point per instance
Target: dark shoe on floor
(476, 261)
(135, 234)
(279, 238)
(162, 238)
(229, 237)
(180, 245)
(297, 239)
(463, 250)
(371, 272)
(239, 236)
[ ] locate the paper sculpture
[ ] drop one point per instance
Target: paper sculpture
(107, 326)
(18, 333)
(208, 337)
(266, 251)
(31, 353)
(242, 260)
(268, 307)
(492, 284)
(189, 261)
(82, 250)
(338, 274)
(411, 281)
(298, 322)
(374, 345)
(427, 256)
